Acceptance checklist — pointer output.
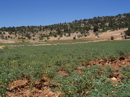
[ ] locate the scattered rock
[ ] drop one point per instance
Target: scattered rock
(114, 79)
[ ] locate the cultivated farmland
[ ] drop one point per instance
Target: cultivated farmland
(99, 69)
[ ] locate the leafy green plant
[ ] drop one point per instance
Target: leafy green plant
(49, 72)
(69, 89)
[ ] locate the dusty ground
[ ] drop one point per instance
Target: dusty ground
(102, 36)
(7, 41)
(116, 34)
(41, 88)
(22, 88)
(107, 35)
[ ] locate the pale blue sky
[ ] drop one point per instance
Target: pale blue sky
(47, 12)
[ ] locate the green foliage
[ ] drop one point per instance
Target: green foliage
(49, 72)
(125, 72)
(6, 47)
(2, 91)
(128, 32)
(69, 89)
(28, 36)
(112, 38)
(95, 29)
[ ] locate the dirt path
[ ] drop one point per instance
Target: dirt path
(56, 43)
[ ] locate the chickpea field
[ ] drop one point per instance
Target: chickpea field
(99, 69)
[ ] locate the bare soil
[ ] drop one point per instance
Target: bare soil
(42, 88)
(116, 64)
(23, 88)
(63, 72)
(117, 34)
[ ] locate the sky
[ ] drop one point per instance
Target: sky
(46, 12)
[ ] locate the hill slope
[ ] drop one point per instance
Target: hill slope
(74, 30)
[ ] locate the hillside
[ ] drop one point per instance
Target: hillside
(75, 30)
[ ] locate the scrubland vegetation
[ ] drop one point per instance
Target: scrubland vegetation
(83, 27)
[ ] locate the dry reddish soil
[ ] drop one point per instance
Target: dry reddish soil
(41, 88)
(116, 64)
(22, 88)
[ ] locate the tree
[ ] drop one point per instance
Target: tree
(112, 38)
(58, 31)
(74, 37)
(95, 29)
(28, 36)
(128, 32)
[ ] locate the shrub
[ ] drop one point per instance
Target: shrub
(112, 38)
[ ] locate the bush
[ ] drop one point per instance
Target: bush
(128, 32)
(74, 38)
(112, 38)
